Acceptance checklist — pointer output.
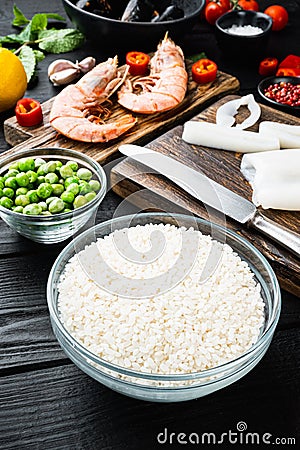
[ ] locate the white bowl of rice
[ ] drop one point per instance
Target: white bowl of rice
(163, 307)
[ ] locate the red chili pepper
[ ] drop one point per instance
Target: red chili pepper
(204, 71)
(268, 66)
(288, 72)
(291, 61)
(28, 112)
(138, 63)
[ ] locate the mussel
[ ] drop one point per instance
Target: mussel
(172, 12)
(138, 11)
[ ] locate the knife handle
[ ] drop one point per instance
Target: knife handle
(288, 239)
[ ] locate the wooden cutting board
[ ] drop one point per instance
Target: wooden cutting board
(147, 128)
(154, 192)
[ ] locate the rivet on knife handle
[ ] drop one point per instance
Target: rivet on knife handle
(287, 238)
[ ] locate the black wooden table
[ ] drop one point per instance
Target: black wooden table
(46, 402)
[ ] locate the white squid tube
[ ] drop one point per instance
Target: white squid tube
(275, 178)
(227, 138)
(288, 135)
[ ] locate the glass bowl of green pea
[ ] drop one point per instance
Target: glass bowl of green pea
(48, 194)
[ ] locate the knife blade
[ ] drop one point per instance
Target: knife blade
(212, 194)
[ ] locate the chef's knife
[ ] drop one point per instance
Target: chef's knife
(212, 194)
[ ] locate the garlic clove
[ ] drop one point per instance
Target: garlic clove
(87, 64)
(60, 64)
(64, 76)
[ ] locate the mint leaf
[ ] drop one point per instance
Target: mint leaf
(54, 16)
(196, 58)
(11, 39)
(28, 60)
(39, 56)
(38, 23)
(19, 19)
(60, 41)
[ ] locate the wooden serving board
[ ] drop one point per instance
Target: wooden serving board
(147, 128)
(154, 192)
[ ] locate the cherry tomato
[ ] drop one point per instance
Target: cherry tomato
(215, 9)
(279, 16)
(250, 5)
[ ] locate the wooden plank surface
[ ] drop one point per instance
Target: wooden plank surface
(147, 128)
(129, 177)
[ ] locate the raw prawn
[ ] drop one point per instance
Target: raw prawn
(77, 112)
(164, 88)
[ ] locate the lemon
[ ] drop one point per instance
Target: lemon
(13, 80)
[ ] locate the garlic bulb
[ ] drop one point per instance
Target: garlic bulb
(63, 71)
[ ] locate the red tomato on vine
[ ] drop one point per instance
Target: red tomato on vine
(279, 16)
(215, 9)
(251, 5)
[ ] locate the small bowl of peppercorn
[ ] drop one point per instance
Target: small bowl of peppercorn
(282, 93)
(49, 194)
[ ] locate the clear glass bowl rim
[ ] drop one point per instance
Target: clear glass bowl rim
(268, 332)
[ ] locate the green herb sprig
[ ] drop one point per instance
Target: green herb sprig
(35, 38)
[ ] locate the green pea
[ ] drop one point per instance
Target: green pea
(26, 164)
(11, 182)
(33, 209)
(18, 209)
(1, 192)
(80, 200)
(22, 200)
(95, 185)
(58, 189)
(43, 205)
(21, 191)
(90, 196)
(66, 171)
(14, 166)
(51, 178)
(22, 179)
(58, 164)
(8, 192)
(61, 181)
(42, 170)
(74, 188)
(45, 213)
(33, 196)
(56, 206)
(32, 176)
(12, 173)
(49, 200)
(50, 166)
(71, 180)
(84, 187)
(38, 162)
(6, 202)
(40, 179)
(67, 196)
(84, 174)
(1, 184)
(67, 210)
(68, 206)
(44, 190)
(73, 165)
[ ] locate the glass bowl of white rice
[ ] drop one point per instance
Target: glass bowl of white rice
(163, 307)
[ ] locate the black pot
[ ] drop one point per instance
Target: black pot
(145, 36)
